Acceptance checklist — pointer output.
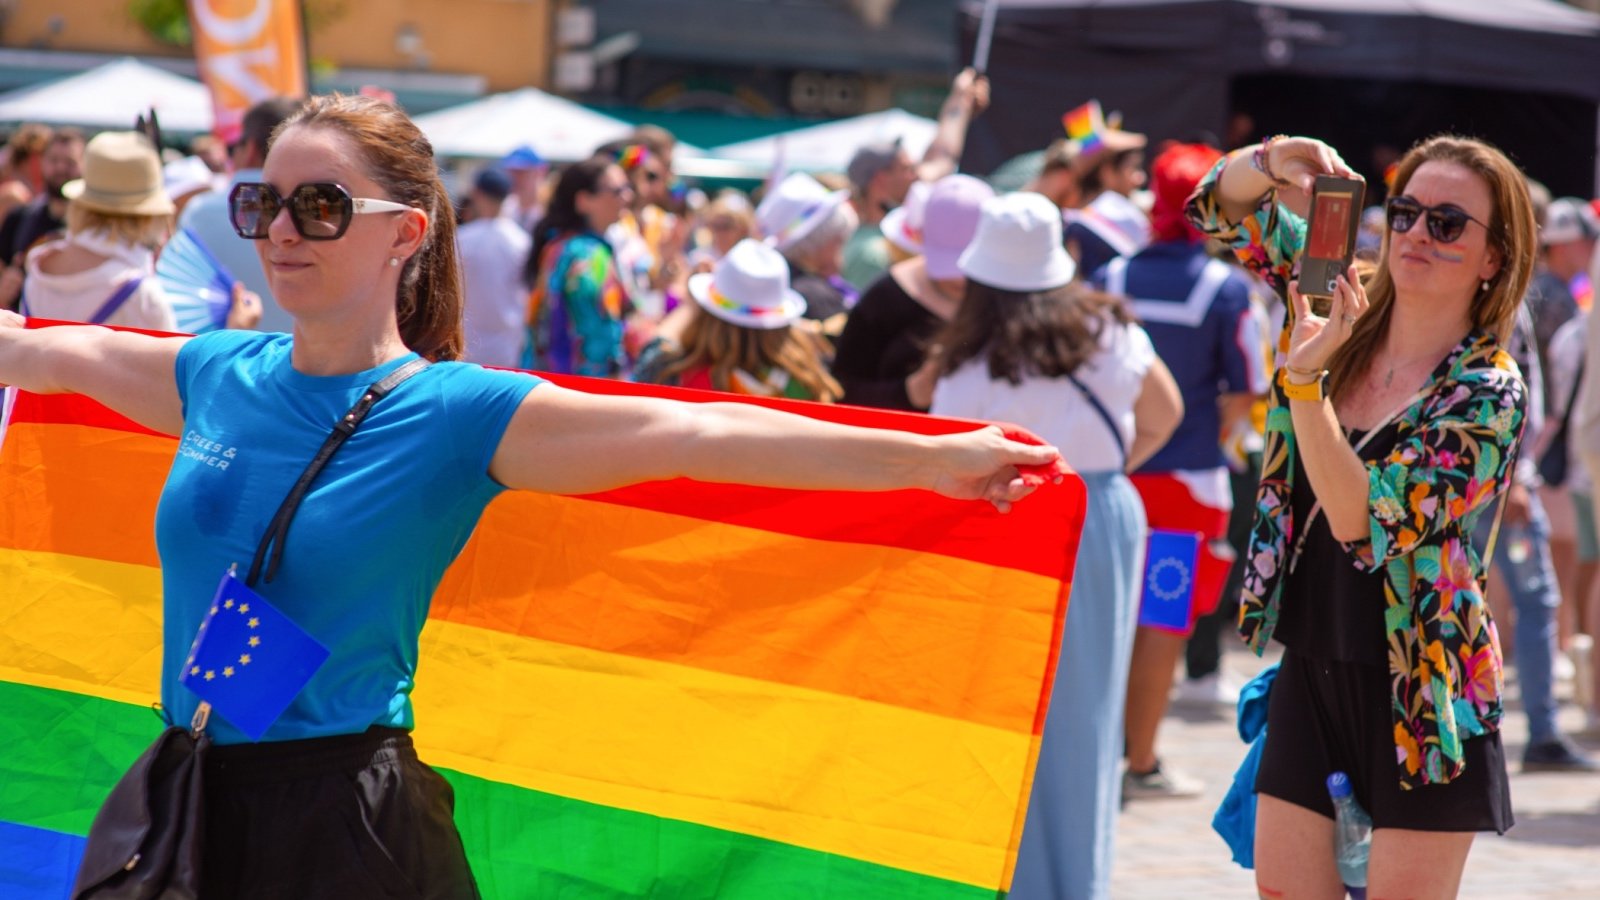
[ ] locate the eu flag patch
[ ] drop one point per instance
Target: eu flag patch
(1170, 561)
(248, 659)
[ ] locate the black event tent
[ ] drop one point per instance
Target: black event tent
(1370, 76)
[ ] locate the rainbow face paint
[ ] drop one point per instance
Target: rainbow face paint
(1446, 256)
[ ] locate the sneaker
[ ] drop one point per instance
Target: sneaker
(1556, 756)
(1159, 783)
(1207, 691)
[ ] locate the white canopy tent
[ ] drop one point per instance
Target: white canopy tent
(112, 96)
(560, 130)
(829, 146)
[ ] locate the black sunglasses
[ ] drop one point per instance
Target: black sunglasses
(320, 211)
(1445, 222)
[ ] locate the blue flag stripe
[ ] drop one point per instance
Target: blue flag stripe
(37, 863)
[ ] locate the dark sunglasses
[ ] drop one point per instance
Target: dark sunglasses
(1445, 222)
(320, 211)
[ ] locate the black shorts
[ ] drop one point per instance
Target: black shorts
(340, 817)
(1326, 717)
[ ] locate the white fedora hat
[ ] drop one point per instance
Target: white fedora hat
(902, 226)
(794, 208)
(1018, 245)
(749, 287)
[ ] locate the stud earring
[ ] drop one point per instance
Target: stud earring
(394, 261)
(1485, 286)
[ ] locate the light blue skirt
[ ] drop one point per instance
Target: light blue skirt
(1067, 839)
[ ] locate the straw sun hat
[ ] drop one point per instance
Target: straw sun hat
(121, 176)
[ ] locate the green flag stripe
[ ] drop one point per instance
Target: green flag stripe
(64, 751)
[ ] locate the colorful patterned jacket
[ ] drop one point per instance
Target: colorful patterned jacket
(576, 310)
(1454, 453)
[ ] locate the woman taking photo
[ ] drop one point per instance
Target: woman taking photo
(745, 337)
(356, 234)
(1027, 347)
(1394, 420)
(578, 301)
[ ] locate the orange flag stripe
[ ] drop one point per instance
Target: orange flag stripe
(636, 582)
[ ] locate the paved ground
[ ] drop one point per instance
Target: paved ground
(1166, 849)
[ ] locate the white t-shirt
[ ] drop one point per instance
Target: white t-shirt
(78, 296)
(1053, 408)
(493, 252)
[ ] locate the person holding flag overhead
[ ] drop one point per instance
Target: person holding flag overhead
(356, 233)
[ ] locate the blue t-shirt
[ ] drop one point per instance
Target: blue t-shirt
(372, 538)
(1209, 338)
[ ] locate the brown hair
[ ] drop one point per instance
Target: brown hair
(722, 347)
(1512, 231)
(428, 300)
(1044, 333)
(28, 141)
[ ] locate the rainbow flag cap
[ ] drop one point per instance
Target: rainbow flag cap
(1086, 125)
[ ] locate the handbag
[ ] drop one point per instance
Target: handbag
(147, 841)
(1553, 462)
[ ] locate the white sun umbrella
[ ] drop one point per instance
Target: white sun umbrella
(112, 96)
(829, 146)
(560, 130)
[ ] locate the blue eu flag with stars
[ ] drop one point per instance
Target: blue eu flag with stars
(249, 660)
(1170, 561)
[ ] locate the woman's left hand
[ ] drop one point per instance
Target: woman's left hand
(1000, 466)
(1316, 338)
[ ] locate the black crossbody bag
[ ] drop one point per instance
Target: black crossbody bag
(148, 839)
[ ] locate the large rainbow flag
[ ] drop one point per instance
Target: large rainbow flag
(674, 690)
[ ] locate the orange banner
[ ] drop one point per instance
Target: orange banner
(247, 51)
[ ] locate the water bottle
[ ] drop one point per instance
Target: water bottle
(1352, 836)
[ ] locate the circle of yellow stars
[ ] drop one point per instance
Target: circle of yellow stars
(244, 658)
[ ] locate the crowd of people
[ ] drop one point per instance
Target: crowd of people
(1349, 475)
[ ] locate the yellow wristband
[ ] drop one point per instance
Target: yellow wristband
(1312, 391)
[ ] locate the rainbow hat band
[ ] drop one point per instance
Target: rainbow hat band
(632, 156)
(749, 287)
(794, 208)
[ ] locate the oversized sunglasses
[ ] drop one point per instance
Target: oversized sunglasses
(1445, 222)
(320, 211)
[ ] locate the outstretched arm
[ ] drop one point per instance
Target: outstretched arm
(131, 373)
(570, 442)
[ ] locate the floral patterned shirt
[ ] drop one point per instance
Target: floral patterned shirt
(576, 310)
(1454, 453)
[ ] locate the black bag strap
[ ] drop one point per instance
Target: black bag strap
(1105, 416)
(278, 531)
(1558, 438)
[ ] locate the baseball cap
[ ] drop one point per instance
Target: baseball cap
(870, 160)
(494, 182)
(524, 157)
(1568, 219)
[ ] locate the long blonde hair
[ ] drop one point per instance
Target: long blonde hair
(723, 347)
(1513, 232)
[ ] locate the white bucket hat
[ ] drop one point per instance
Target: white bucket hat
(902, 226)
(1018, 245)
(749, 287)
(794, 208)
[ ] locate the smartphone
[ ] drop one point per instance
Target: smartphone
(1330, 237)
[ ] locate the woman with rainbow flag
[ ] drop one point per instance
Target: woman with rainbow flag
(355, 232)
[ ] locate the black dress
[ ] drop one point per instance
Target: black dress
(1330, 705)
(883, 343)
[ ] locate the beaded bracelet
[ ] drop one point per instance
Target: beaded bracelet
(1259, 161)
